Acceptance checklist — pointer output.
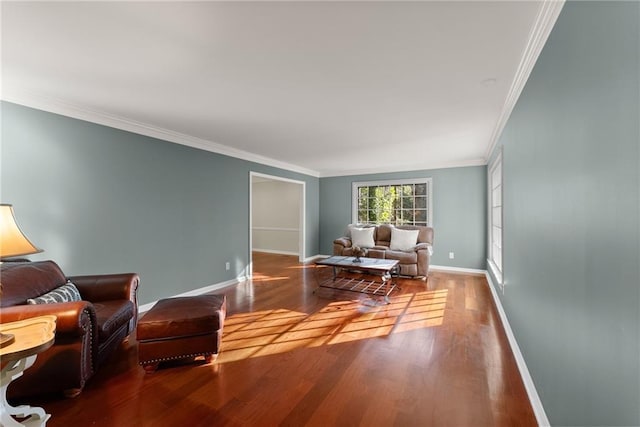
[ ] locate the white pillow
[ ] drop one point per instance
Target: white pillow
(362, 237)
(403, 240)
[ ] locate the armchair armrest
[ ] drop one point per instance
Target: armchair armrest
(73, 319)
(108, 287)
(424, 246)
(344, 241)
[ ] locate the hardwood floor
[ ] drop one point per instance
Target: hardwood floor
(436, 355)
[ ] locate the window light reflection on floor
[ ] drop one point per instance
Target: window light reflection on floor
(276, 331)
(260, 278)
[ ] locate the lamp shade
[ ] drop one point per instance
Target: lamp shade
(13, 242)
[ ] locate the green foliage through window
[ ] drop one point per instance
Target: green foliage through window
(398, 204)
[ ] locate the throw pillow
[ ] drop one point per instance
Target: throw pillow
(362, 237)
(65, 293)
(403, 240)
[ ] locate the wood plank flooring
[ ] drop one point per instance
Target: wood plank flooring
(435, 356)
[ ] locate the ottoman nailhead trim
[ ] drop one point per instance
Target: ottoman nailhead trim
(164, 359)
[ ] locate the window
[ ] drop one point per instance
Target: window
(400, 202)
(495, 217)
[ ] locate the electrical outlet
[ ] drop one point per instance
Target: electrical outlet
(451, 255)
(227, 265)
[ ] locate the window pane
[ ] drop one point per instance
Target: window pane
(496, 195)
(407, 202)
(421, 190)
(362, 192)
(421, 223)
(362, 204)
(371, 203)
(420, 215)
(407, 215)
(421, 202)
(496, 236)
(407, 190)
(496, 176)
(497, 257)
(362, 215)
(496, 217)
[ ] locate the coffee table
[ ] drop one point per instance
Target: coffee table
(377, 280)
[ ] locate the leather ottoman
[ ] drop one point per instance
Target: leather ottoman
(181, 327)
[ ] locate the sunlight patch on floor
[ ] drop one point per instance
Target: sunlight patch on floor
(261, 278)
(278, 331)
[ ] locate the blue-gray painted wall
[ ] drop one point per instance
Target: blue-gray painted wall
(571, 217)
(459, 212)
(102, 200)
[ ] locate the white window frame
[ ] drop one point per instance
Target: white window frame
(356, 185)
(495, 217)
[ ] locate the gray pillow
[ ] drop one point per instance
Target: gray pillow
(65, 293)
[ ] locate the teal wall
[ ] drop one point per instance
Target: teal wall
(459, 212)
(101, 200)
(571, 217)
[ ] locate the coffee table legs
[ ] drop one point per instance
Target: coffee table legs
(386, 279)
(377, 289)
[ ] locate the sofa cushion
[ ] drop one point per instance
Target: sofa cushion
(65, 293)
(183, 317)
(362, 237)
(24, 280)
(376, 252)
(111, 315)
(383, 234)
(403, 240)
(402, 256)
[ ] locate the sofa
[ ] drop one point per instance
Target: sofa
(414, 258)
(88, 328)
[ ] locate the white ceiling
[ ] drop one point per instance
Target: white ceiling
(325, 88)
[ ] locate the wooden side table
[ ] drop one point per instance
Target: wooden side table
(32, 336)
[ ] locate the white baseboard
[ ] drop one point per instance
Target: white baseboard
(315, 257)
(146, 307)
(275, 251)
(457, 269)
(534, 397)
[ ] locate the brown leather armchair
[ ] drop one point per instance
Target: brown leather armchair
(87, 331)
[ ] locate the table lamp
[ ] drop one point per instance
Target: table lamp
(13, 242)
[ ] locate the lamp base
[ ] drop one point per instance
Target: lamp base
(6, 339)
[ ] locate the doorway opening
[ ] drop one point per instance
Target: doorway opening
(276, 216)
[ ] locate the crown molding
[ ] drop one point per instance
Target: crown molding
(543, 24)
(64, 108)
(67, 109)
(408, 168)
